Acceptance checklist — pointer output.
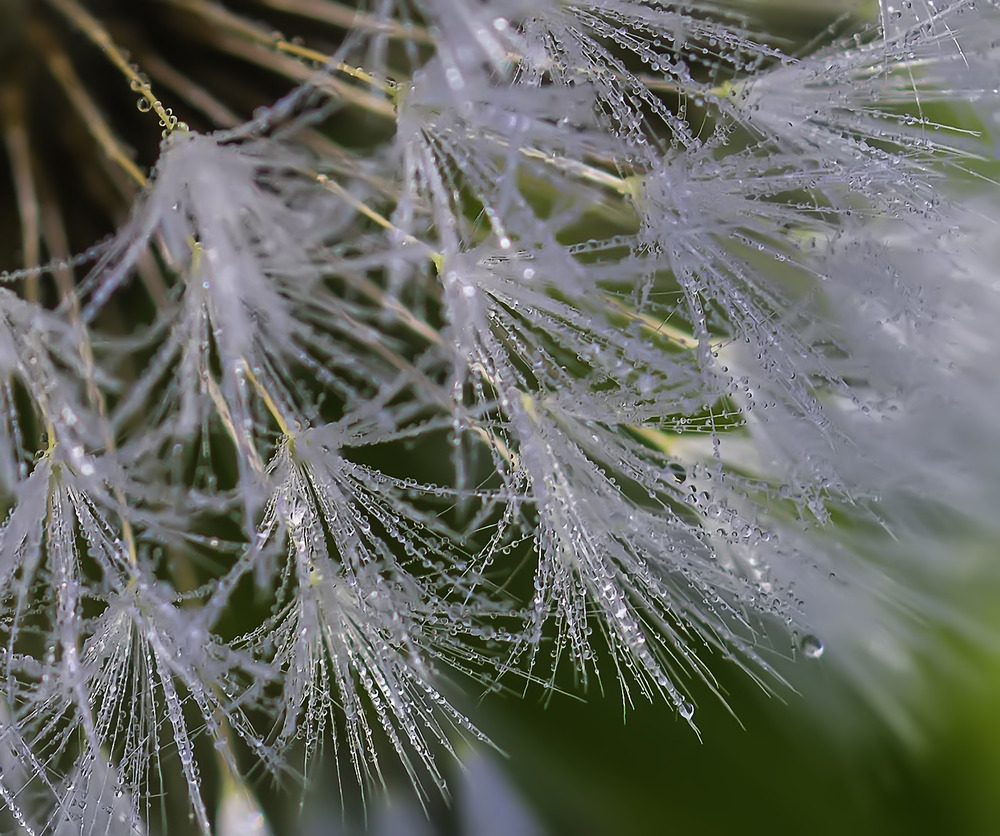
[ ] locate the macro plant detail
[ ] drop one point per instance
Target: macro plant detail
(450, 346)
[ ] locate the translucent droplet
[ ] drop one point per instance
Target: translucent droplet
(144, 105)
(812, 647)
(686, 710)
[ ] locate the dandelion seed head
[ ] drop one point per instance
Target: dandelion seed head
(545, 339)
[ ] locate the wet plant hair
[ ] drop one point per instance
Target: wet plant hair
(451, 345)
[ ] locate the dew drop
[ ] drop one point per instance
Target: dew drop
(812, 647)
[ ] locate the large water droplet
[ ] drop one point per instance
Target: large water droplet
(812, 647)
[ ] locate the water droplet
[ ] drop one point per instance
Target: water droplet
(686, 710)
(812, 647)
